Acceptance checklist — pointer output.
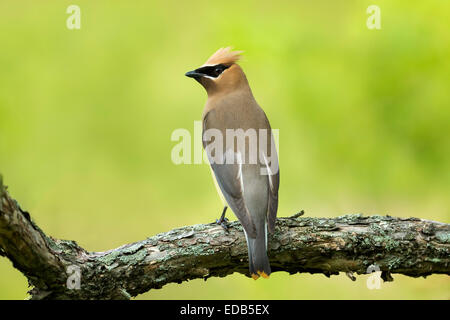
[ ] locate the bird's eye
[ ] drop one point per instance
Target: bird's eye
(218, 70)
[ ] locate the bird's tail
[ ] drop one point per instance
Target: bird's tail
(257, 253)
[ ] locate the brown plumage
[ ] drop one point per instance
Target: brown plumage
(252, 195)
(224, 56)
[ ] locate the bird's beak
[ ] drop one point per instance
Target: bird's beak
(194, 74)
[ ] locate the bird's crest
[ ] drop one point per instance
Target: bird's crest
(224, 56)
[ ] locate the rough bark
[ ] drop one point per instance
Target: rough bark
(349, 243)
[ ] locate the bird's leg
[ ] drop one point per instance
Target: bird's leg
(222, 220)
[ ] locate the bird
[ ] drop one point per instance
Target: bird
(246, 174)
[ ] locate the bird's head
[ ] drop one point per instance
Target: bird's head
(220, 73)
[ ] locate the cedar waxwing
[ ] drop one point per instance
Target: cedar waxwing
(246, 175)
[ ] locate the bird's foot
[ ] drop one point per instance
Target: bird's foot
(223, 223)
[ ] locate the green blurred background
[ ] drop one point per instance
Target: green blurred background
(86, 118)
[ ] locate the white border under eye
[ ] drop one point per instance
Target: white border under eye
(212, 78)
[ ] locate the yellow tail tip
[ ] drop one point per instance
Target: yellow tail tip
(263, 274)
(255, 276)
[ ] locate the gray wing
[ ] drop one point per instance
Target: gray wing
(273, 201)
(273, 177)
(229, 179)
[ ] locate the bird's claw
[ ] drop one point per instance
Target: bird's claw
(223, 223)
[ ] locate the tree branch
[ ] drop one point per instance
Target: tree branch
(350, 243)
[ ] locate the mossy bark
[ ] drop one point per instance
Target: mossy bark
(350, 243)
